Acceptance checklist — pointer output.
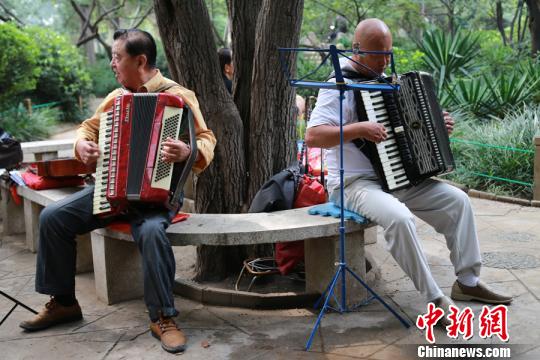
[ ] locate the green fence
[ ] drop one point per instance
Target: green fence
(498, 147)
(534, 184)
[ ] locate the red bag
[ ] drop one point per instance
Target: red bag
(310, 192)
(36, 182)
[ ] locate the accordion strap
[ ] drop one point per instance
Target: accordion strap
(367, 147)
(179, 191)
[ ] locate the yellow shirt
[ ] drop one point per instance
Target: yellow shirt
(206, 142)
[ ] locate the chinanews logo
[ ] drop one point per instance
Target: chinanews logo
(491, 322)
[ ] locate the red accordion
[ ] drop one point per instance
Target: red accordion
(130, 168)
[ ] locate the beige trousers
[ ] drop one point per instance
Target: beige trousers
(443, 206)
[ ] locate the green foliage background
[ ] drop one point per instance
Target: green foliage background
(64, 76)
(19, 68)
(492, 89)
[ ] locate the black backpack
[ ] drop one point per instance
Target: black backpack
(10, 151)
(278, 192)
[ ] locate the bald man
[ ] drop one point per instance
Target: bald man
(444, 207)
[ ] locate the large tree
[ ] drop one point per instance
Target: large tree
(256, 134)
(534, 25)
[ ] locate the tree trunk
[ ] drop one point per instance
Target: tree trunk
(272, 119)
(189, 45)
(261, 92)
(89, 46)
(243, 15)
(517, 16)
(500, 21)
(534, 25)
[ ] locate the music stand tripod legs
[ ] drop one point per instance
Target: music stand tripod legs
(342, 265)
(17, 303)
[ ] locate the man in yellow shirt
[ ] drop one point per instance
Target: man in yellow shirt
(134, 66)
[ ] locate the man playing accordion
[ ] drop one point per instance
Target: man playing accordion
(444, 207)
(134, 65)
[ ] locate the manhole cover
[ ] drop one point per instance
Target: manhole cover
(504, 260)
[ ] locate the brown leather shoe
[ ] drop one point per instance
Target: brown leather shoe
(480, 292)
(172, 338)
(53, 314)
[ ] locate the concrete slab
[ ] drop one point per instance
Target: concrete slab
(120, 331)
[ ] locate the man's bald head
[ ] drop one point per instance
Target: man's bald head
(372, 31)
(372, 35)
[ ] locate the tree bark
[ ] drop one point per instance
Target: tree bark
(517, 16)
(190, 48)
(534, 25)
(243, 15)
(500, 21)
(261, 93)
(450, 13)
(88, 46)
(272, 119)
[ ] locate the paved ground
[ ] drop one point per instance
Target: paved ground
(510, 238)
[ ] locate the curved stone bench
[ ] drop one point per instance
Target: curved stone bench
(116, 270)
(117, 265)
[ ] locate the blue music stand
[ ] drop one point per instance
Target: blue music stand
(342, 86)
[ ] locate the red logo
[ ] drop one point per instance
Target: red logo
(429, 320)
(460, 323)
(493, 322)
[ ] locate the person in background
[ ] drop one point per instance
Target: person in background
(227, 68)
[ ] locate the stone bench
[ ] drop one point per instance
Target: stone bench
(25, 219)
(47, 149)
(116, 260)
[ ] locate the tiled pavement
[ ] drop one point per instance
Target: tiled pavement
(509, 235)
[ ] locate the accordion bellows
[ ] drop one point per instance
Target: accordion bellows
(417, 146)
(130, 168)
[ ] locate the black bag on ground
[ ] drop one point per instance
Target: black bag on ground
(10, 151)
(278, 192)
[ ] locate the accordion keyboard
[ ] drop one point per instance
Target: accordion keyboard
(388, 149)
(101, 205)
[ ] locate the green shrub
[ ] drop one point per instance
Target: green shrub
(103, 80)
(531, 67)
(18, 64)
(448, 56)
(493, 95)
(494, 57)
(408, 60)
(508, 91)
(516, 130)
(469, 95)
(26, 127)
(63, 76)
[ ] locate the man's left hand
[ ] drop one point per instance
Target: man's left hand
(448, 121)
(174, 150)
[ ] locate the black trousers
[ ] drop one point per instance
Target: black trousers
(61, 222)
